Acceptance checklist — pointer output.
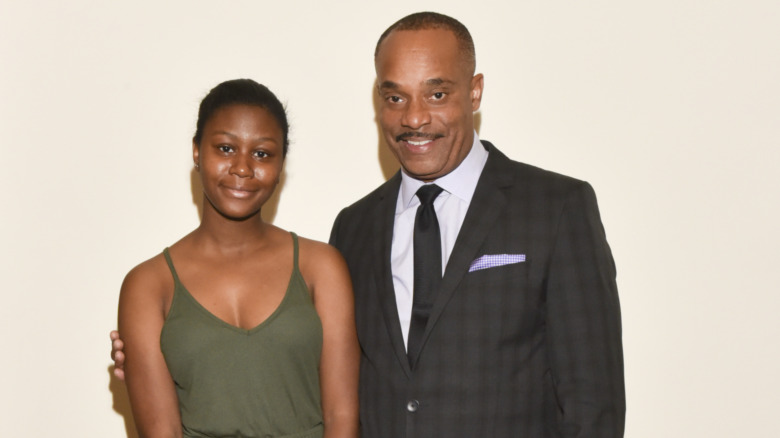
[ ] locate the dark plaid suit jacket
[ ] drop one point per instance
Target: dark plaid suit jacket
(528, 349)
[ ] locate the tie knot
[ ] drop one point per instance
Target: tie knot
(428, 193)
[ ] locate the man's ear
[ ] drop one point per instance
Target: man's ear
(477, 83)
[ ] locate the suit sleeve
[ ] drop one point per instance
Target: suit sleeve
(334, 232)
(584, 337)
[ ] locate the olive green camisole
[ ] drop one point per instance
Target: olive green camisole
(231, 382)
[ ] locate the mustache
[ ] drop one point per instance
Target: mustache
(417, 136)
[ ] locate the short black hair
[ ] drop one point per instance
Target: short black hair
(242, 92)
(434, 20)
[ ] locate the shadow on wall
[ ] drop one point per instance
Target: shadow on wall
(269, 208)
(122, 403)
(387, 161)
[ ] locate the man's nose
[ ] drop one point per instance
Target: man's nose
(416, 114)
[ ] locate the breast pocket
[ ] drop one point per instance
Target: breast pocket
(501, 270)
(501, 299)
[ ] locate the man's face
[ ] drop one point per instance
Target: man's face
(428, 97)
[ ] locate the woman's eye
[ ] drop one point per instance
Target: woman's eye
(224, 148)
(260, 154)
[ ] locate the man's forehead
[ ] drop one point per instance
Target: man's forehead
(407, 42)
(417, 54)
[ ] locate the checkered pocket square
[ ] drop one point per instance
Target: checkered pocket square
(494, 260)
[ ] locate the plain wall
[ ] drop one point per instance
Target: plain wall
(670, 109)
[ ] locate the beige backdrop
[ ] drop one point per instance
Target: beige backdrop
(670, 108)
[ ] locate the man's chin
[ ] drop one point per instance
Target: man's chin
(420, 171)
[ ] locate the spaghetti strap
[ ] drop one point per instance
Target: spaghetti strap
(295, 251)
(170, 265)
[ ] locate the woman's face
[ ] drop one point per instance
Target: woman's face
(240, 159)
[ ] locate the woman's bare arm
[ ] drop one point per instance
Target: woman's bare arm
(142, 303)
(327, 273)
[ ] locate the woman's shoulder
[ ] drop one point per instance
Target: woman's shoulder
(150, 276)
(327, 277)
(318, 252)
(320, 262)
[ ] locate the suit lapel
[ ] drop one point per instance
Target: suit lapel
(487, 205)
(383, 219)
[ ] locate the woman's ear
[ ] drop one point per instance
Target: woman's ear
(196, 155)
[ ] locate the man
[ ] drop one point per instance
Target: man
(489, 308)
(521, 336)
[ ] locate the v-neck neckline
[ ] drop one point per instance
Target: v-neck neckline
(178, 284)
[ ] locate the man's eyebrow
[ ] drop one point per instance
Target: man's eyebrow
(388, 85)
(433, 82)
(438, 81)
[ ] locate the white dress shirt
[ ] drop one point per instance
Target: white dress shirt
(451, 207)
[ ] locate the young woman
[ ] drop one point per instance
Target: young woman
(240, 328)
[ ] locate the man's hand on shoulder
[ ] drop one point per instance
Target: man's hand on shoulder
(117, 355)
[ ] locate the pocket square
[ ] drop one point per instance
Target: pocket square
(495, 260)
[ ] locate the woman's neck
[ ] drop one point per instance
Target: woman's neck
(230, 234)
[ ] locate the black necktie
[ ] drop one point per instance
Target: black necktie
(427, 266)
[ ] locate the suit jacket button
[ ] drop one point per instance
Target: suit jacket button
(412, 405)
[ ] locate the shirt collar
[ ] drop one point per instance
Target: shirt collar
(461, 182)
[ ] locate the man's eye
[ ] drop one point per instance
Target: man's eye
(394, 99)
(438, 96)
